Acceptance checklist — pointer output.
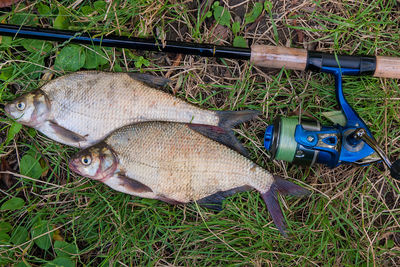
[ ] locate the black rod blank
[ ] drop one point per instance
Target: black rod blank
(204, 50)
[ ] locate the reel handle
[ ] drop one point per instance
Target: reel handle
(361, 134)
(395, 170)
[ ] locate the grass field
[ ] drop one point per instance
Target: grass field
(51, 216)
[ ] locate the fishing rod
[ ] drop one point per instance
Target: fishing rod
(294, 140)
(259, 55)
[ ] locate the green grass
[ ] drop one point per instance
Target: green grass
(352, 217)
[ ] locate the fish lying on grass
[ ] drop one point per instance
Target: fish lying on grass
(82, 108)
(172, 162)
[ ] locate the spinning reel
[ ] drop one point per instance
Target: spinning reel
(307, 142)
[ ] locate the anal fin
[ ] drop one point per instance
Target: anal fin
(220, 135)
(168, 200)
(214, 201)
(65, 133)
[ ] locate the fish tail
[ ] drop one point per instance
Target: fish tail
(284, 187)
(229, 119)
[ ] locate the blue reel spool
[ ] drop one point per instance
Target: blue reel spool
(307, 142)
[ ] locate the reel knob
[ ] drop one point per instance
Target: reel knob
(361, 134)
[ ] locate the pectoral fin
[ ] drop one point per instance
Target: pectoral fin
(65, 133)
(151, 80)
(133, 185)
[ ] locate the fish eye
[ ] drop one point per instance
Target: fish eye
(20, 106)
(86, 160)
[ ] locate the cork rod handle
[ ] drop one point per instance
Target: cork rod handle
(277, 57)
(387, 67)
(300, 59)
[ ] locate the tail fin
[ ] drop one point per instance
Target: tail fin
(270, 197)
(229, 119)
(221, 135)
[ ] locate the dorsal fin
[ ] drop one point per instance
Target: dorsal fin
(150, 80)
(220, 135)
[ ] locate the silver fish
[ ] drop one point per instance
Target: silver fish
(172, 162)
(82, 108)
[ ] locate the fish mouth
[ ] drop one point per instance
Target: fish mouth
(72, 166)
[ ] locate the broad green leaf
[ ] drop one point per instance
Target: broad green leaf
(60, 262)
(44, 10)
(140, 61)
(4, 238)
(14, 203)
(94, 58)
(23, 19)
(117, 67)
(19, 235)
(61, 22)
(239, 41)
(63, 248)
(268, 6)
(5, 227)
(36, 46)
(71, 58)
(222, 16)
(215, 4)
(235, 27)
(100, 6)
(390, 243)
(22, 264)
(41, 227)
(254, 13)
(30, 166)
(6, 41)
(6, 73)
(13, 130)
(87, 10)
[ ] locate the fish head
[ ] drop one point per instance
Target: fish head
(98, 162)
(30, 109)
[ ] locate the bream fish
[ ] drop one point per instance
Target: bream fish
(172, 162)
(82, 108)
